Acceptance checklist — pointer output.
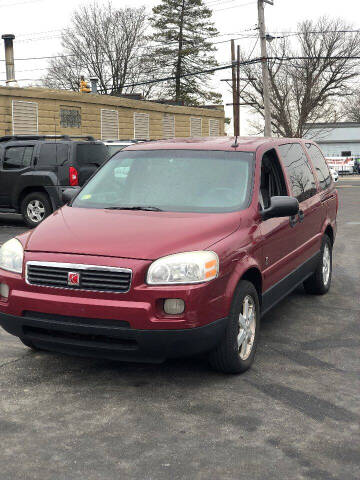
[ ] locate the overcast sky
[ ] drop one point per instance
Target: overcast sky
(37, 25)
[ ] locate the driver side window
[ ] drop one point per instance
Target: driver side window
(272, 181)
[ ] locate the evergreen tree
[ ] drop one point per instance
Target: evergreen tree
(184, 30)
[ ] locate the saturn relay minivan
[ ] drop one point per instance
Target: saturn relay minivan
(174, 248)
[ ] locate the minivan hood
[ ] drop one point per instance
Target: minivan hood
(129, 234)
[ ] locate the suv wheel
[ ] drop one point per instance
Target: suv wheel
(236, 351)
(35, 208)
(319, 283)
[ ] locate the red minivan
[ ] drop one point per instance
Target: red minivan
(174, 248)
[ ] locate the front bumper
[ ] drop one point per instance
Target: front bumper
(127, 326)
(109, 339)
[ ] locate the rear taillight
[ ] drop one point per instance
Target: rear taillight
(73, 177)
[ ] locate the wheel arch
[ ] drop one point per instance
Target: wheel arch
(330, 233)
(253, 275)
(250, 272)
(32, 189)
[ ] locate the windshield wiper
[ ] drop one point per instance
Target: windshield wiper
(136, 207)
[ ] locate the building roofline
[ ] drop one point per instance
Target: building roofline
(120, 102)
(334, 142)
(332, 125)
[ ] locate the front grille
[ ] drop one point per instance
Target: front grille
(87, 277)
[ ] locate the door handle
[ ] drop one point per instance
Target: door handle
(301, 216)
(293, 221)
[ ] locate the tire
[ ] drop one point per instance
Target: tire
(319, 283)
(35, 208)
(228, 357)
(28, 344)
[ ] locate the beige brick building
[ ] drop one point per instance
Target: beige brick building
(50, 112)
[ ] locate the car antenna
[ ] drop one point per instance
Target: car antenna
(236, 143)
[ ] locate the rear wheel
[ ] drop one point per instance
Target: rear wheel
(35, 208)
(236, 351)
(319, 283)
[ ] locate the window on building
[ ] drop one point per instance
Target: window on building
(299, 171)
(214, 127)
(24, 117)
(17, 157)
(195, 127)
(168, 125)
(141, 126)
(320, 165)
(109, 124)
(70, 117)
(346, 153)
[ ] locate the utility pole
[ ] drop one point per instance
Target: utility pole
(234, 90)
(238, 91)
(264, 65)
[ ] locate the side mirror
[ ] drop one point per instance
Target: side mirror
(69, 193)
(281, 207)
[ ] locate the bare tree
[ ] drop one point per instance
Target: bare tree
(351, 106)
(106, 43)
(308, 80)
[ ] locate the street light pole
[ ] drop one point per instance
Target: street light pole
(264, 65)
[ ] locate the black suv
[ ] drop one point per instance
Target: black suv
(34, 170)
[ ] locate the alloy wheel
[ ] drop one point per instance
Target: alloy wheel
(326, 266)
(35, 211)
(247, 327)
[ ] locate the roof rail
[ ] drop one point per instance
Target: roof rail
(7, 138)
(90, 138)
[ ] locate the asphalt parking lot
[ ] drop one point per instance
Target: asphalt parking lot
(294, 415)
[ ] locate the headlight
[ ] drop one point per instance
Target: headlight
(188, 267)
(11, 256)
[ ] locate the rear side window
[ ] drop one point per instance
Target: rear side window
(91, 153)
(47, 155)
(17, 157)
(320, 165)
(298, 170)
(53, 154)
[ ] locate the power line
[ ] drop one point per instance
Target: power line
(24, 2)
(311, 32)
(49, 57)
(227, 66)
(200, 72)
(234, 6)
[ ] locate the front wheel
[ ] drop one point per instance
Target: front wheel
(236, 351)
(320, 281)
(35, 208)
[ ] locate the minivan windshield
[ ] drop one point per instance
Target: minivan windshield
(171, 180)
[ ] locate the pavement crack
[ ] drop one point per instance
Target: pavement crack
(5, 364)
